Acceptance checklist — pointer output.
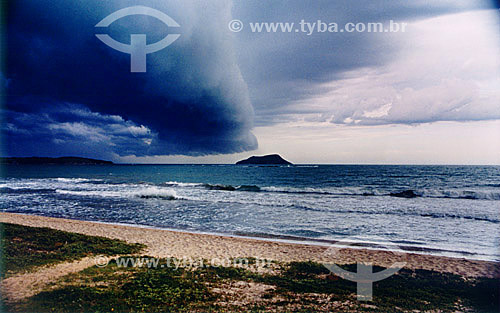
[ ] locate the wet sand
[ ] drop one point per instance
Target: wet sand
(167, 243)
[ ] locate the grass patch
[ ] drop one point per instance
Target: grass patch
(407, 290)
(129, 289)
(23, 248)
(428, 290)
(295, 287)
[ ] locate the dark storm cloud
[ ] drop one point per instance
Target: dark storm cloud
(192, 99)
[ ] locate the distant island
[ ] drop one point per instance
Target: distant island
(60, 160)
(266, 159)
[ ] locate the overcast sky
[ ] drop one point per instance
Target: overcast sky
(428, 95)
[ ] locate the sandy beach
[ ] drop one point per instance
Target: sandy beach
(167, 243)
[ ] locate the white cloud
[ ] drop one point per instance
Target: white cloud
(448, 70)
(431, 143)
(379, 112)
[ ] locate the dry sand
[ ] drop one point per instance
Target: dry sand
(166, 243)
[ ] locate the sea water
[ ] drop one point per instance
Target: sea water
(444, 210)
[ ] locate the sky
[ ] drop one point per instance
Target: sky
(428, 95)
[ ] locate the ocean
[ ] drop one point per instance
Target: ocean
(442, 210)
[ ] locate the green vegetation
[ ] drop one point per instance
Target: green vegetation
(124, 290)
(407, 290)
(296, 286)
(283, 287)
(130, 289)
(23, 248)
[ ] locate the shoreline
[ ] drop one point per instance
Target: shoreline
(180, 244)
(296, 240)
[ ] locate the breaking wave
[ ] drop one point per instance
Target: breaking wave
(20, 190)
(353, 191)
(143, 193)
(96, 187)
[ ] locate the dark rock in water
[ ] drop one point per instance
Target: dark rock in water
(252, 188)
(220, 187)
(61, 160)
(266, 159)
(161, 197)
(232, 188)
(404, 194)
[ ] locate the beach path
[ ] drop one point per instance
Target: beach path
(24, 285)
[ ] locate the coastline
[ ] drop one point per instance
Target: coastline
(296, 240)
(173, 243)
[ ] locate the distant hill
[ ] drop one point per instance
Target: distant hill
(266, 159)
(61, 160)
